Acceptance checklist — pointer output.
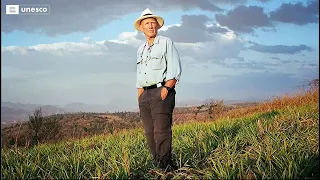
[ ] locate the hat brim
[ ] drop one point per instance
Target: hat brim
(138, 21)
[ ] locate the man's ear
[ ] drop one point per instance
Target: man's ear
(158, 25)
(140, 26)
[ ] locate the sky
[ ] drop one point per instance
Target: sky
(85, 51)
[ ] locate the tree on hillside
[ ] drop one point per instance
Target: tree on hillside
(314, 84)
(43, 128)
(311, 85)
(35, 124)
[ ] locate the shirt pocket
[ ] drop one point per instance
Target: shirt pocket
(157, 60)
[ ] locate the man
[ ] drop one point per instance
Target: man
(158, 71)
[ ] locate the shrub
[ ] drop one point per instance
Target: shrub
(43, 128)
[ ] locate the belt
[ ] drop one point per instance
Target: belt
(154, 86)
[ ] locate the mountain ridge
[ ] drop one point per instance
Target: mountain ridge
(17, 112)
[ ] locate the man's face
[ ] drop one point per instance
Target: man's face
(149, 27)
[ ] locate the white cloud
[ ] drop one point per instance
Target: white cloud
(129, 38)
(15, 49)
(166, 27)
(86, 39)
(220, 49)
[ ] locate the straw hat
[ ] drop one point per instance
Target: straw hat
(147, 14)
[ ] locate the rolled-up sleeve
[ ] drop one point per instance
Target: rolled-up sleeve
(173, 62)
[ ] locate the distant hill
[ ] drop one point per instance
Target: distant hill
(17, 112)
(82, 107)
(12, 114)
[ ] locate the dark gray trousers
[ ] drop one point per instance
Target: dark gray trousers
(156, 116)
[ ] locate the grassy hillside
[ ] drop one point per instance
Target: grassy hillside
(278, 139)
(84, 124)
(71, 126)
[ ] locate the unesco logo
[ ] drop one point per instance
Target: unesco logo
(12, 9)
(39, 9)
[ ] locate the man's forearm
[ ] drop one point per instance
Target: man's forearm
(170, 83)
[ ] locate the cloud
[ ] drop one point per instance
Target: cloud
(275, 58)
(71, 58)
(190, 24)
(215, 28)
(297, 13)
(89, 56)
(263, 84)
(280, 49)
(263, 1)
(217, 50)
(66, 72)
(253, 65)
(198, 39)
(83, 16)
(244, 19)
(190, 4)
(202, 28)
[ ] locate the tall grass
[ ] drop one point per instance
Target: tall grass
(309, 96)
(279, 143)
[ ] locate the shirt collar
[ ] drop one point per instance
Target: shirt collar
(155, 41)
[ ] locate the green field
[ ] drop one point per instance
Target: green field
(279, 144)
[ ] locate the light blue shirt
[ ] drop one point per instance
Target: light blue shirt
(157, 63)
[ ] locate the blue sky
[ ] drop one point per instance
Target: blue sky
(229, 50)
